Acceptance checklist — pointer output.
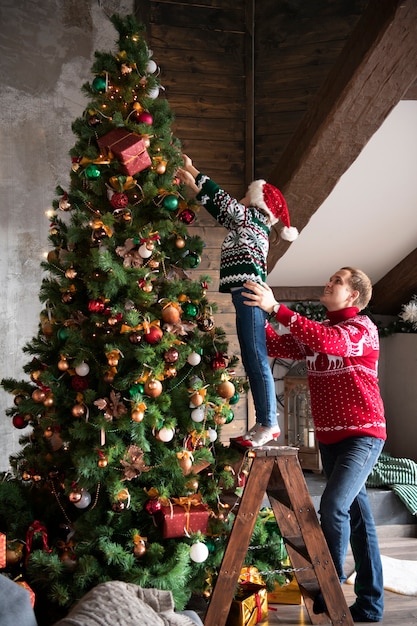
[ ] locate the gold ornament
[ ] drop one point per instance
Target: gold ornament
(226, 389)
(38, 395)
(78, 410)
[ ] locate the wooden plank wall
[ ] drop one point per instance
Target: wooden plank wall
(296, 44)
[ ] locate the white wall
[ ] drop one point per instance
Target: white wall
(398, 376)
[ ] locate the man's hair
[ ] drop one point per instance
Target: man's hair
(362, 283)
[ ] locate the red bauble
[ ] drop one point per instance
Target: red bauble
(135, 337)
(153, 506)
(96, 306)
(119, 200)
(144, 118)
(218, 361)
(19, 421)
(154, 335)
(187, 216)
(80, 383)
(171, 355)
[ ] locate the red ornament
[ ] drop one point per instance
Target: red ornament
(135, 338)
(218, 361)
(80, 383)
(153, 506)
(144, 118)
(19, 421)
(119, 200)
(171, 355)
(187, 216)
(154, 335)
(96, 306)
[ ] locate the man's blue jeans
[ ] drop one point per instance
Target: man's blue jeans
(345, 514)
(250, 327)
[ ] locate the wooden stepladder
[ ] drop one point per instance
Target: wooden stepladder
(276, 471)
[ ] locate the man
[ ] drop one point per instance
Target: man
(341, 355)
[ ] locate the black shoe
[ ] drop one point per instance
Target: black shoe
(359, 616)
(319, 605)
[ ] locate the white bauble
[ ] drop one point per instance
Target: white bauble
(144, 252)
(194, 358)
(153, 93)
(212, 434)
(82, 369)
(198, 414)
(151, 66)
(166, 434)
(199, 552)
(84, 501)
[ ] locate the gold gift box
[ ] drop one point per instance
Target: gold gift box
(249, 607)
(286, 594)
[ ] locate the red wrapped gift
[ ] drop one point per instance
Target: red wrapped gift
(24, 584)
(187, 517)
(2, 550)
(129, 149)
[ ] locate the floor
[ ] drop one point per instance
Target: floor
(399, 609)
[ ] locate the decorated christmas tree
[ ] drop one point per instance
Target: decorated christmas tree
(123, 475)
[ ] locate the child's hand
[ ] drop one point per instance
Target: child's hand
(187, 161)
(187, 178)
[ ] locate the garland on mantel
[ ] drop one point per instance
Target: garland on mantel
(407, 322)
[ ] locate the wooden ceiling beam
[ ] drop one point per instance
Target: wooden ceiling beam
(374, 71)
(396, 288)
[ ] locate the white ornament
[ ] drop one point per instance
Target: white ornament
(198, 414)
(212, 434)
(151, 66)
(194, 358)
(153, 93)
(199, 552)
(166, 434)
(82, 369)
(84, 501)
(144, 252)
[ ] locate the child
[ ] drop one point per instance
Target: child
(244, 257)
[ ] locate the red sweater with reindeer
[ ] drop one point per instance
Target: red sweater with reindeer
(341, 355)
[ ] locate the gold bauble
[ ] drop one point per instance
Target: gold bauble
(63, 365)
(38, 395)
(226, 389)
(102, 462)
(78, 410)
(49, 400)
(137, 415)
(153, 388)
(71, 273)
(171, 314)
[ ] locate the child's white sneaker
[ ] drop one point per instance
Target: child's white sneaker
(261, 436)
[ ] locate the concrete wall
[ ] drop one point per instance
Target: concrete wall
(46, 52)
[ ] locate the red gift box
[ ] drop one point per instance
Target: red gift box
(24, 584)
(179, 520)
(129, 149)
(2, 550)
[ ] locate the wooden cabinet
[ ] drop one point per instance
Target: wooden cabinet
(299, 427)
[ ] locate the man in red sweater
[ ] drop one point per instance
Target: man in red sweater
(341, 355)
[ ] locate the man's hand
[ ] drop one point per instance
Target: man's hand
(259, 295)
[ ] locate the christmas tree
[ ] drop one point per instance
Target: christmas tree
(123, 475)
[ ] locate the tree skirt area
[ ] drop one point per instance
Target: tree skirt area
(400, 576)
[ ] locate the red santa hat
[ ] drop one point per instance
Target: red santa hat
(270, 200)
